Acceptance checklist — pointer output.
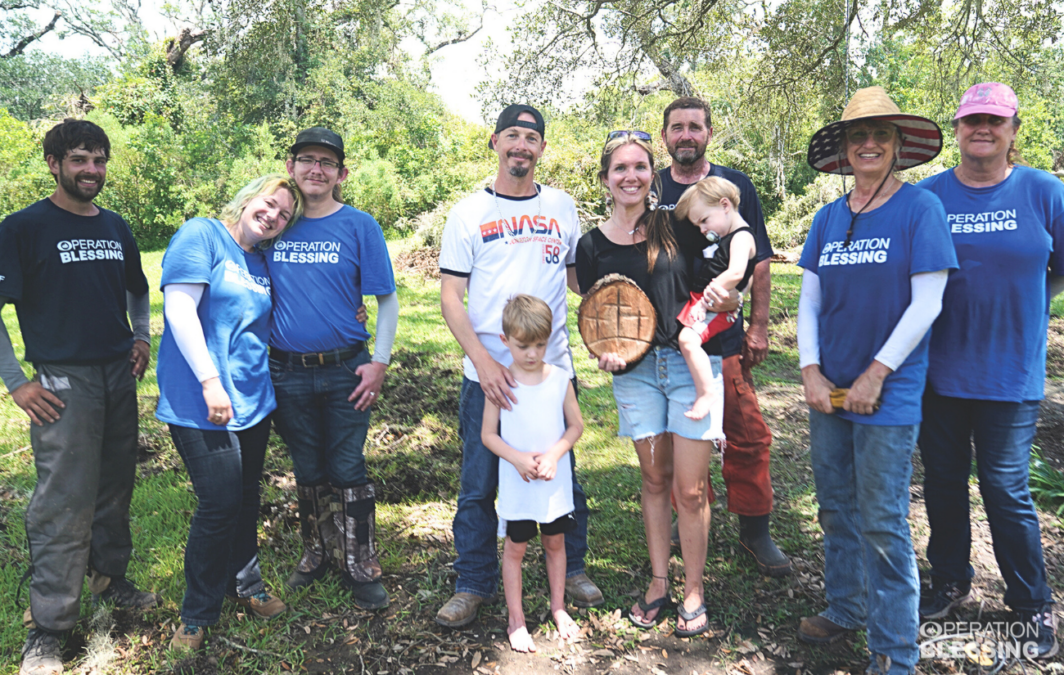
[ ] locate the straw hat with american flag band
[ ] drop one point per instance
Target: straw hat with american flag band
(921, 138)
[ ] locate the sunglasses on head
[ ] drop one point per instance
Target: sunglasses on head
(859, 135)
(641, 135)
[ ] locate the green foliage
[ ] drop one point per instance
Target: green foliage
(25, 176)
(375, 188)
(36, 85)
(1047, 482)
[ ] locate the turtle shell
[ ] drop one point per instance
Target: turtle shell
(616, 316)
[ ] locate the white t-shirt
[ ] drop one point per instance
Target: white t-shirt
(507, 246)
(536, 422)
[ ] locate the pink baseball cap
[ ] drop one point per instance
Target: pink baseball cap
(991, 98)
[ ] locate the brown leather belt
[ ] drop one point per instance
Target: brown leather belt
(315, 359)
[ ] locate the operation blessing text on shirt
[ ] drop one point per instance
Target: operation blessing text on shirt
(871, 250)
(306, 252)
(979, 223)
(82, 250)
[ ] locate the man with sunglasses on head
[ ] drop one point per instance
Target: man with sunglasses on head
(324, 378)
(516, 236)
(686, 131)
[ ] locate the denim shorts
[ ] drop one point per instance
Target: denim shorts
(653, 397)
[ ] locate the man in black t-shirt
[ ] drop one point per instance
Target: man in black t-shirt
(73, 272)
(686, 131)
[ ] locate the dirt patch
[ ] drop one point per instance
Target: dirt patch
(424, 262)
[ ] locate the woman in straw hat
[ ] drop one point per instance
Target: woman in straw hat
(876, 262)
(987, 365)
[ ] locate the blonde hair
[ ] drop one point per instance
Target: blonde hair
(655, 222)
(263, 185)
(526, 318)
(711, 191)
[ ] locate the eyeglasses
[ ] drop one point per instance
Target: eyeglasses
(641, 135)
(326, 164)
(859, 135)
(979, 119)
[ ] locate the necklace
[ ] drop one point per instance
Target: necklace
(539, 200)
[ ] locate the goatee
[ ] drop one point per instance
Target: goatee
(518, 171)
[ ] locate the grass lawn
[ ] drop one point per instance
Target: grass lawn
(413, 453)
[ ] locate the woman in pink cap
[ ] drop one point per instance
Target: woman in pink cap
(987, 361)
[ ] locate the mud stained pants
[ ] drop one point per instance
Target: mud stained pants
(86, 463)
(746, 458)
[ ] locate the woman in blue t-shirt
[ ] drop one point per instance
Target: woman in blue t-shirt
(876, 261)
(988, 358)
(215, 393)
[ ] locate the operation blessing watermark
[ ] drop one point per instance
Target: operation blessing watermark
(985, 643)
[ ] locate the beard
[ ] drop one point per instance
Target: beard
(70, 186)
(687, 155)
(518, 171)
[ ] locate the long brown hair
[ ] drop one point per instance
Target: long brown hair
(654, 221)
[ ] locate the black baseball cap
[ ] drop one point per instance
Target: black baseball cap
(326, 138)
(508, 118)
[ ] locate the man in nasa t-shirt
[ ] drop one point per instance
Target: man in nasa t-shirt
(515, 237)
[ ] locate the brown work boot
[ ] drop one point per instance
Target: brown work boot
(261, 604)
(356, 554)
(460, 610)
(316, 505)
(187, 638)
(821, 631)
(583, 592)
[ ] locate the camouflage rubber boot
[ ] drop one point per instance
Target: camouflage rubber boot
(357, 555)
(316, 505)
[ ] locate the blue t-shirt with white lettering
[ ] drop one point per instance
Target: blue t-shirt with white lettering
(321, 268)
(990, 340)
(235, 314)
(865, 289)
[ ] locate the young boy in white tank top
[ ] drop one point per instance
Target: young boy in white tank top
(535, 486)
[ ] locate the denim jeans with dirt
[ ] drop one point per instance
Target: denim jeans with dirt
(862, 477)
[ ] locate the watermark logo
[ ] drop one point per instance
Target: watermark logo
(981, 642)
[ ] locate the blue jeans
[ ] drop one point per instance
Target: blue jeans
(323, 431)
(221, 556)
(475, 522)
(1003, 433)
(862, 477)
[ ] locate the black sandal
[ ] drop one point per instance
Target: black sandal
(689, 617)
(661, 604)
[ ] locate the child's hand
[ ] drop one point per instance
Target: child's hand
(715, 288)
(548, 467)
(528, 465)
(698, 311)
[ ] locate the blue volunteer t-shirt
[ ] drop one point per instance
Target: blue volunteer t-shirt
(235, 314)
(866, 288)
(321, 267)
(990, 340)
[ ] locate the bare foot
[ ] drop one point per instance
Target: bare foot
(521, 641)
(567, 628)
(701, 407)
